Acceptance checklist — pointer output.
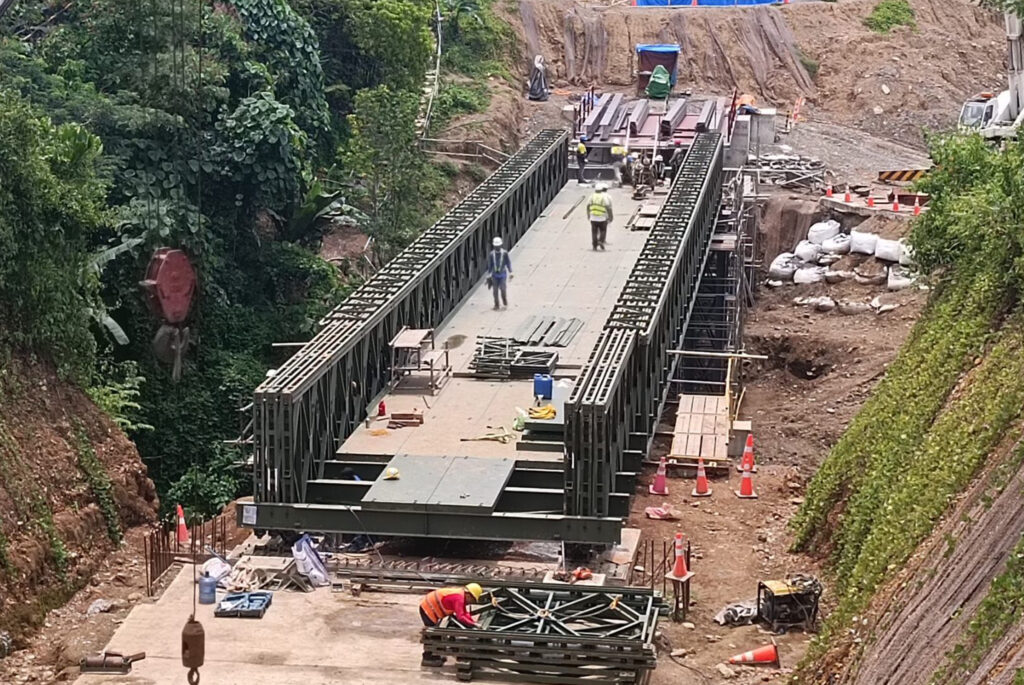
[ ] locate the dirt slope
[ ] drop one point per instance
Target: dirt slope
(957, 50)
(46, 501)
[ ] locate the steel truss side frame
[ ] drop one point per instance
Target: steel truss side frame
(621, 391)
(318, 397)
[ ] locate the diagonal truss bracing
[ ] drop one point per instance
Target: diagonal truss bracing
(614, 406)
(318, 397)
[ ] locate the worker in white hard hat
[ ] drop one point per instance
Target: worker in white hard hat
(444, 602)
(618, 157)
(659, 166)
(599, 209)
(499, 270)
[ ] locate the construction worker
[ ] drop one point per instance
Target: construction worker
(659, 167)
(627, 168)
(499, 270)
(581, 159)
(450, 601)
(599, 209)
(618, 158)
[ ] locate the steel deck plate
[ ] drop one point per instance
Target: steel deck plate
(441, 484)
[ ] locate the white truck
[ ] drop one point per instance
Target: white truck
(998, 116)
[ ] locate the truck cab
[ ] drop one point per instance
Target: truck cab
(983, 110)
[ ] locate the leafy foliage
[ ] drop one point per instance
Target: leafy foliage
(888, 14)
(51, 208)
(99, 483)
(395, 181)
(116, 390)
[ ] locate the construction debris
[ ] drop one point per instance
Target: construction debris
(110, 662)
(547, 331)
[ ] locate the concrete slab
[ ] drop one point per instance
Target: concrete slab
(556, 273)
(319, 638)
(441, 483)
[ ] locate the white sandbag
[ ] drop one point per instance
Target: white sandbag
(824, 304)
(906, 253)
(828, 259)
(810, 274)
(888, 250)
(837, 276)
(822, 231)
(837, 244)
(807, 251)
(782, 267)
(899, 279)
(863, 243)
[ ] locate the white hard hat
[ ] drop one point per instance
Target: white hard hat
(659, 158)
(601, 187)
(616, 141)
(496, 242)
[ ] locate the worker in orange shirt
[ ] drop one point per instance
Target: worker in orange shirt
(448, 601)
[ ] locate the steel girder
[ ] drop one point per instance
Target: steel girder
(620, 393)
(317, 398)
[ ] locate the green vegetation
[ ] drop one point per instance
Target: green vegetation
(810, 64)
(42, 518)
(232, 131)
(888, 14)
(921, 437)
(99, 483)
(454, 99)
(1002, 607)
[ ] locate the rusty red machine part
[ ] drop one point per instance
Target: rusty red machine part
(170, 287)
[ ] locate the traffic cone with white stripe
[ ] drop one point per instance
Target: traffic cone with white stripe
(182, 528)
(747, 461)
(702, 489)
(917, 206)
(660, 485)
(895, 203)
(679, 570)
(746, 490)
(847, 197)
(769, 654)
(828, 190)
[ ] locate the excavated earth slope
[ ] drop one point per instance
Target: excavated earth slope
(46, 501)
(817, 50)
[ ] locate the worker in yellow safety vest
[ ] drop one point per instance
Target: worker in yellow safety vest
(618, 158)
(444, 602)
(599, 209)
(581, 159)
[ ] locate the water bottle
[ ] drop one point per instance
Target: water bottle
(207, 589)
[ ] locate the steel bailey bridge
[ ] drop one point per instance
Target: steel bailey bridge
(315, 401)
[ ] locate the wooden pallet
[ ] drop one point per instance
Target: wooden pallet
(701, 431)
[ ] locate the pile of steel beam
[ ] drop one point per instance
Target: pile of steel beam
(615, 403)
(546, 633)
(318, 397)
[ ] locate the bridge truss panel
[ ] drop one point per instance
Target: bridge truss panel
(317, 398)
(620, 393)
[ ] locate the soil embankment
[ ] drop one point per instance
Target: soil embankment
(891, 84)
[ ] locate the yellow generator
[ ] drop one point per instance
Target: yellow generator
(784, 604)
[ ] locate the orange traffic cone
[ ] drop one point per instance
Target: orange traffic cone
(846, 196)
(679, 570)
(895, 203)
(660, 486)
(182, 528)
(769, 654)
(702, 489)
(917, 206)
(871, 201)
(747, 461)
(746, 490)
(828, 190)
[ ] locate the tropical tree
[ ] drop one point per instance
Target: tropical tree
(457, 11)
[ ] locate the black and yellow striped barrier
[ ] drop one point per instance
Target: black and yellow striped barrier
(901, 176)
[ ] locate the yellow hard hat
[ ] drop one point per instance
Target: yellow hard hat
(391, 473)
(475, 590)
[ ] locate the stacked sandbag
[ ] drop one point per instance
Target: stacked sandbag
(809, 274)
(783, 267)
(888, 250)
(822, 231)
(807, 251)
(838, 244)
(863, 243)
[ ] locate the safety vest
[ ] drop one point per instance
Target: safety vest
(581, 149)
(598, 206)
(618, 151)
(432, 605)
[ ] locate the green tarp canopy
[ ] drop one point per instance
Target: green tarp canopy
(660, 84)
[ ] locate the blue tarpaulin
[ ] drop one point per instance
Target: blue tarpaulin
(665, 54)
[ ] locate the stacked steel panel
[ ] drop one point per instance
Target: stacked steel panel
(615, 404)
(317, 398)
